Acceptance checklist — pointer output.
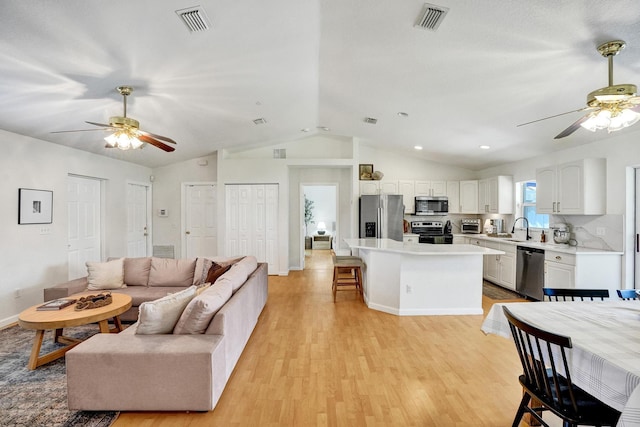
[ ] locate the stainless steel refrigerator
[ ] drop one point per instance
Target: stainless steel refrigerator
(382, 216)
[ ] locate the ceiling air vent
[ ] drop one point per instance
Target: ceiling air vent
(195, 18)
(431, 17)
(370, 120)
(279, 153)
(260, 121)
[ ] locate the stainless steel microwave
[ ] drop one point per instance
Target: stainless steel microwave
(432, 205)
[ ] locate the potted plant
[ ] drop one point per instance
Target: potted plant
(308, 219)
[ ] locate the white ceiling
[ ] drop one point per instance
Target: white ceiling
(308, 63)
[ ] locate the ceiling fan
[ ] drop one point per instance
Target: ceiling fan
(126, 131)
(613, 107)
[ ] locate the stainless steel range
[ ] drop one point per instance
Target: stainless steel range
(431, 232)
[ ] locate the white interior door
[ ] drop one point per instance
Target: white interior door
(251, 222)
(201, 235)
(84, 224)
(137, 220)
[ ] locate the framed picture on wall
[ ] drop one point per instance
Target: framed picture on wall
(366, 172)
(35, 206)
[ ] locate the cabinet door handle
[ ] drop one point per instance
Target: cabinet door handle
(637, 242)
(554, 207)
(558, 207)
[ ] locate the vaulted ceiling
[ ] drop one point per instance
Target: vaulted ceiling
(322, 66)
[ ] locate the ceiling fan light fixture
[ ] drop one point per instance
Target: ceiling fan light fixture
(123, 140)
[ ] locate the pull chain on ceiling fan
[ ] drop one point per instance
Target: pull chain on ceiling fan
(613, 107)
(127, 134)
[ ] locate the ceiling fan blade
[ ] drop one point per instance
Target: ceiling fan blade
(149, 140)
(99, 124)
(574, 127)
(78, 130)
(153, 135)
(556, 115)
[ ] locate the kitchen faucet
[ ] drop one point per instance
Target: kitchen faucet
(513, 229)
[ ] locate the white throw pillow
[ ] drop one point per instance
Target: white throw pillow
(196, 317)
(160, 316)
(106, 275)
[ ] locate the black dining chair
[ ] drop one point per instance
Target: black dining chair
(547, 380)
(559, 294)
(627, 294)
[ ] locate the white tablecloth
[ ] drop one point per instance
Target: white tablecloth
(605, 359)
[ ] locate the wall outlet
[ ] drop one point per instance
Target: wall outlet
(45, 230)
(600, 231)
(17, 293)
(409, 289)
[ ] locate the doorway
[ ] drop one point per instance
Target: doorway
(200, 237)
(138, 220)
(84, 210)
(319, 206)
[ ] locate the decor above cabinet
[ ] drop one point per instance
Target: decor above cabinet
(572, 188)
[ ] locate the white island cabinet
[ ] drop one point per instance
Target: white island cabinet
(421, 279)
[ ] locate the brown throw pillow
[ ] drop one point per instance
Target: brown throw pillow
(216, 270)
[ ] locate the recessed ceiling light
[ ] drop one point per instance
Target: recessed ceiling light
(403, 114)
(305, 130)
(418, 147)
(324, 128)
(260, 121)
(484, 147)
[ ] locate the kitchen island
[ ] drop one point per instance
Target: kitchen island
(410, 279)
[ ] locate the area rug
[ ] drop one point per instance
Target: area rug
(39, 397)
(496, 292)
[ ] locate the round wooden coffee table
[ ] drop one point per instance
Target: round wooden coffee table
(67, 317)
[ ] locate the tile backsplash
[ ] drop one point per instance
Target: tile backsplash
(595, 232)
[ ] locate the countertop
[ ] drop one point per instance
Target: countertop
(549, 246)
(388, 245)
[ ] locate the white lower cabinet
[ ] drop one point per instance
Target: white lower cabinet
(583, 271)
(500, 269)
(410, 238)
(559, 270)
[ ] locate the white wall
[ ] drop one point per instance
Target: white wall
(167, 194)
(31, 261)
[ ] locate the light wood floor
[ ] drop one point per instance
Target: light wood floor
(313, 362)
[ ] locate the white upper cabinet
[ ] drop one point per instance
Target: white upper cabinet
(389, 187)
(431, 188)
(572, 188)
(369, 187)
(495, 195)
(453, 193)
(469, 196)
(407, 189)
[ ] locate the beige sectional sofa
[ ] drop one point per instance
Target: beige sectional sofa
(145, 279)
(185, 371)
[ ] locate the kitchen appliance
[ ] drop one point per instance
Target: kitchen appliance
(498, 225)
(561, 233)
(431, 205)
(382, 216)
(471, 225)
(530, 272)
(432, 232)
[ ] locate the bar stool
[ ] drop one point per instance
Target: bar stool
(347, 273)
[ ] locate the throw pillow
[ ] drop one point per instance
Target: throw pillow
(105, 275)
(198, 314)
(136, 271)
(160, 316)
(171, 272)
(216, 270)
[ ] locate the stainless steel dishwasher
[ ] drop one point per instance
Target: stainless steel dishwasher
(530, 272)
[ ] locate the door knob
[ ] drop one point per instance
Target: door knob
(187, 232)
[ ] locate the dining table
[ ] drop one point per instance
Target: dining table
(605, 335)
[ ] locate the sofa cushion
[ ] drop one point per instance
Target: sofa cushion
(160, 316)
(171, 272)
(140, 294)
(248, 264)
(236, 278)
(203, 265)
(216, 271)
(136, 271)
(105, 275)
(198, 314)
